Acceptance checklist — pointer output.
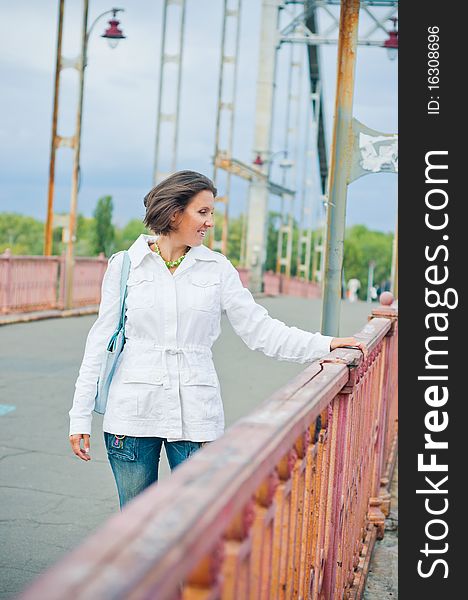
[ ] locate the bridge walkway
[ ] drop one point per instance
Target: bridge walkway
(51, 501)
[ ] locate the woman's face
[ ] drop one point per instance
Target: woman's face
(193, 223)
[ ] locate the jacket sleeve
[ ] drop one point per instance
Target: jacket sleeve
(96, 343)
(260, 331)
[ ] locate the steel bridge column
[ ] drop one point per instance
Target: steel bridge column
(258, 191)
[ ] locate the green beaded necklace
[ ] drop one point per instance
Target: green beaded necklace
(170, 264)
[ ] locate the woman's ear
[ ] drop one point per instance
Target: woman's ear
(176, 216)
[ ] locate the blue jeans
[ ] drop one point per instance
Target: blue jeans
(135, 460)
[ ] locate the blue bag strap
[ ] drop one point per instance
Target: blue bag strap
(123, 296)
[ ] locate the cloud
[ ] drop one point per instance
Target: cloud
(119, 116)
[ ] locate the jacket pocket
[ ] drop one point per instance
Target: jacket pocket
(148, 375)
(121, 447)
(147, 385)
(199, 378)
(140, 290)
(202, 387)
(205, 291)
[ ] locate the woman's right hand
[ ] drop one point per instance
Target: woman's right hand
(75, 441)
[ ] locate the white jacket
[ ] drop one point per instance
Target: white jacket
(165, 384)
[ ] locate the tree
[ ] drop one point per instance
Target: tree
(234, 235)
(104, 233)
(23, 235)
(273, 224)
(273, 220)
(85, 228)
(125, 237)
(363, 246)
(235, 239)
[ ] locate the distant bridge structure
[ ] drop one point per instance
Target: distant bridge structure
(303, 27)
(288, 113)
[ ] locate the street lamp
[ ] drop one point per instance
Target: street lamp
(113, 34)
(391, 44)
(114, 37)
(284, 164)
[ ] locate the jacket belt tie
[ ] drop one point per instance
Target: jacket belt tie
(172, 351)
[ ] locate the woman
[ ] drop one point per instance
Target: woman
(165, 388)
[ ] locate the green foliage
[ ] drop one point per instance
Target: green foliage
(85, 228)
(125, 237)
(104, 232)
(23, 235)
(363, 246)
(235, 239)
(273, 222)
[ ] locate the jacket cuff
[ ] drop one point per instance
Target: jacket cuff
(80, 425)
(324, 343)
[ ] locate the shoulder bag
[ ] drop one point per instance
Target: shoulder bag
(115, 345)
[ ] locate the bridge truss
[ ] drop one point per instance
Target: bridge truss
(305, 25)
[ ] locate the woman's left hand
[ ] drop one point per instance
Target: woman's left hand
(349, 342)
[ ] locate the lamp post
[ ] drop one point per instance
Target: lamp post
(113, 34)
(339, 159)
(284, 164)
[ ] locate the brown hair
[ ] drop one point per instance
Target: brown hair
(172, 194)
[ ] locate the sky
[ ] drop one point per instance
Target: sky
(121, 100)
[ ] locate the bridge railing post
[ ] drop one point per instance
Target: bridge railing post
(237, 551)
(7, 278)
(389, 386)
(375, 381)
(61, 282)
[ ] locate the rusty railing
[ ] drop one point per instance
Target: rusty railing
(29, 283)
(276, 283)
(287, 504)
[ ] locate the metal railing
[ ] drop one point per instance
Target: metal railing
(278, 283)
(29, 283)
(287, 504)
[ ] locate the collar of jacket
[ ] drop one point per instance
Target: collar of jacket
(139, 249)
